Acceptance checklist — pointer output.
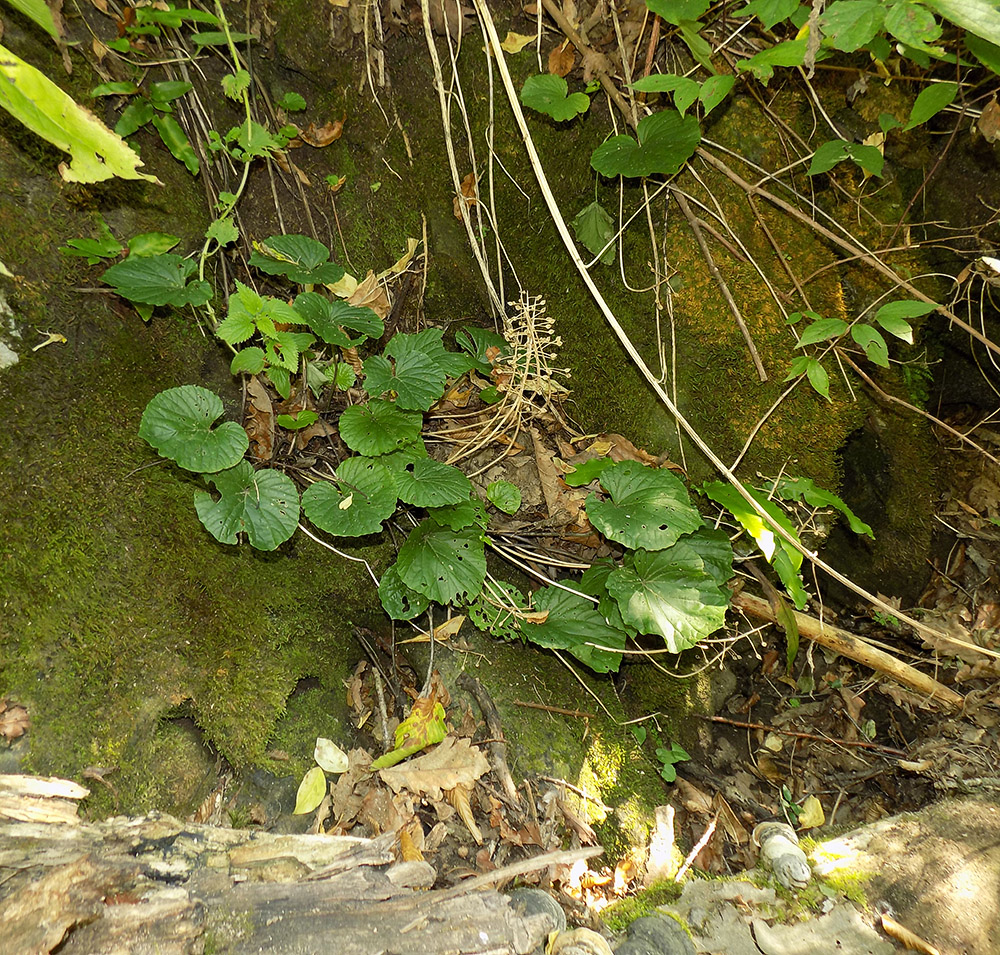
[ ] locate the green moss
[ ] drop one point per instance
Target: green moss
(621, 915)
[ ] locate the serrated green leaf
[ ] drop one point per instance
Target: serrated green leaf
(414, 380)
(284, 349)
(429, 483)
(311, 792)
(262, 504)
(666, 141)
(822, 330)
(178, 423)
(234, 85)
(301, 259)
(872, 342)
(476, 342)
(595, 230)
(803, 489)
(248, 360)
(658, 594)
(292, 102)
(223, 231)
(356, 502)
(931, 100)
(399, 601)
(575, 625)
(550, 95)
(504, 495)
(281, 379)
(430, 342)
(329, 319)
(158, 280)
(441, 563)
(649, 508)
(378, 427)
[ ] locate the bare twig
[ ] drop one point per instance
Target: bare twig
(856, 743)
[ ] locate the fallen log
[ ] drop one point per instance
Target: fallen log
(155, 884)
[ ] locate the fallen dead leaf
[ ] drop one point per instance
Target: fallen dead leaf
(449, 764)
(459, 798)
(989, 121)
(320, 136)
(371, 294)
(13, 720)
(515, 42)
(562, 59)
(468, 195)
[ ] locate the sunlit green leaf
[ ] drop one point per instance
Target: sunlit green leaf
(574, 624)
(311, 792)
(441, 563)
(931, 100)
(822, 330)
(355, 503)
(872, 342)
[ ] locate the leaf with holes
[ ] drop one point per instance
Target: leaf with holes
(574, 624)
(429, 483)
(399, 601)
(378, 427)
(649, 508)
(443, 564)
(504, 495)
(262, 504)
(671, 593)
(355, 503)
(178, 423)
(301, 259)
(466, 513)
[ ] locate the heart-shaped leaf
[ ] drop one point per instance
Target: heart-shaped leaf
(673, 592)
(262, 504)
(574, 624)
(378, 427)
(666, 141)
(443, 564)
(356, 502)
(301, 259)
(649, 508)
(414, 379)
(429, 483)
(399, 601)
(178, 423)
(550, 95)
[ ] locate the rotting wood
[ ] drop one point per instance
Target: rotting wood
(156, 884)
(848, 645)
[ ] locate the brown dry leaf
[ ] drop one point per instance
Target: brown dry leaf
(562, 59)
(459, 798)
(318, 429)
(728, 822)
(410, 838)
(371, 294)
(13, 720)
(693, 799)
(902, 934)
(101, 5)
(451, 763)
(515, 42)
(581, 827)
(448, 629)
(379, 812)
(989, 121)
(624, 450)
(348, 793)
(259, 420)
(320, 136)
(469, 195)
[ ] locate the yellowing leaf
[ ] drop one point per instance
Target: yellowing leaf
(812, 814)
(422, 728)
(449, 628)
(34, 100)
(515, 42)
(312, 789)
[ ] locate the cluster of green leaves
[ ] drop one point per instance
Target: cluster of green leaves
(892, 317)
(154, 21)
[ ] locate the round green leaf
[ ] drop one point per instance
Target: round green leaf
(399, 601)
(415, 380)
(575, 624)
(550, 95)
(659, 593)
(465, 513)
(443, 564)
(251, 360)
(649, 508)
(429, 483)
(361, 497)
(504, 495)
(330, 320)
(178, 423)
(378, 427)
(666, 142)
(262, 504)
